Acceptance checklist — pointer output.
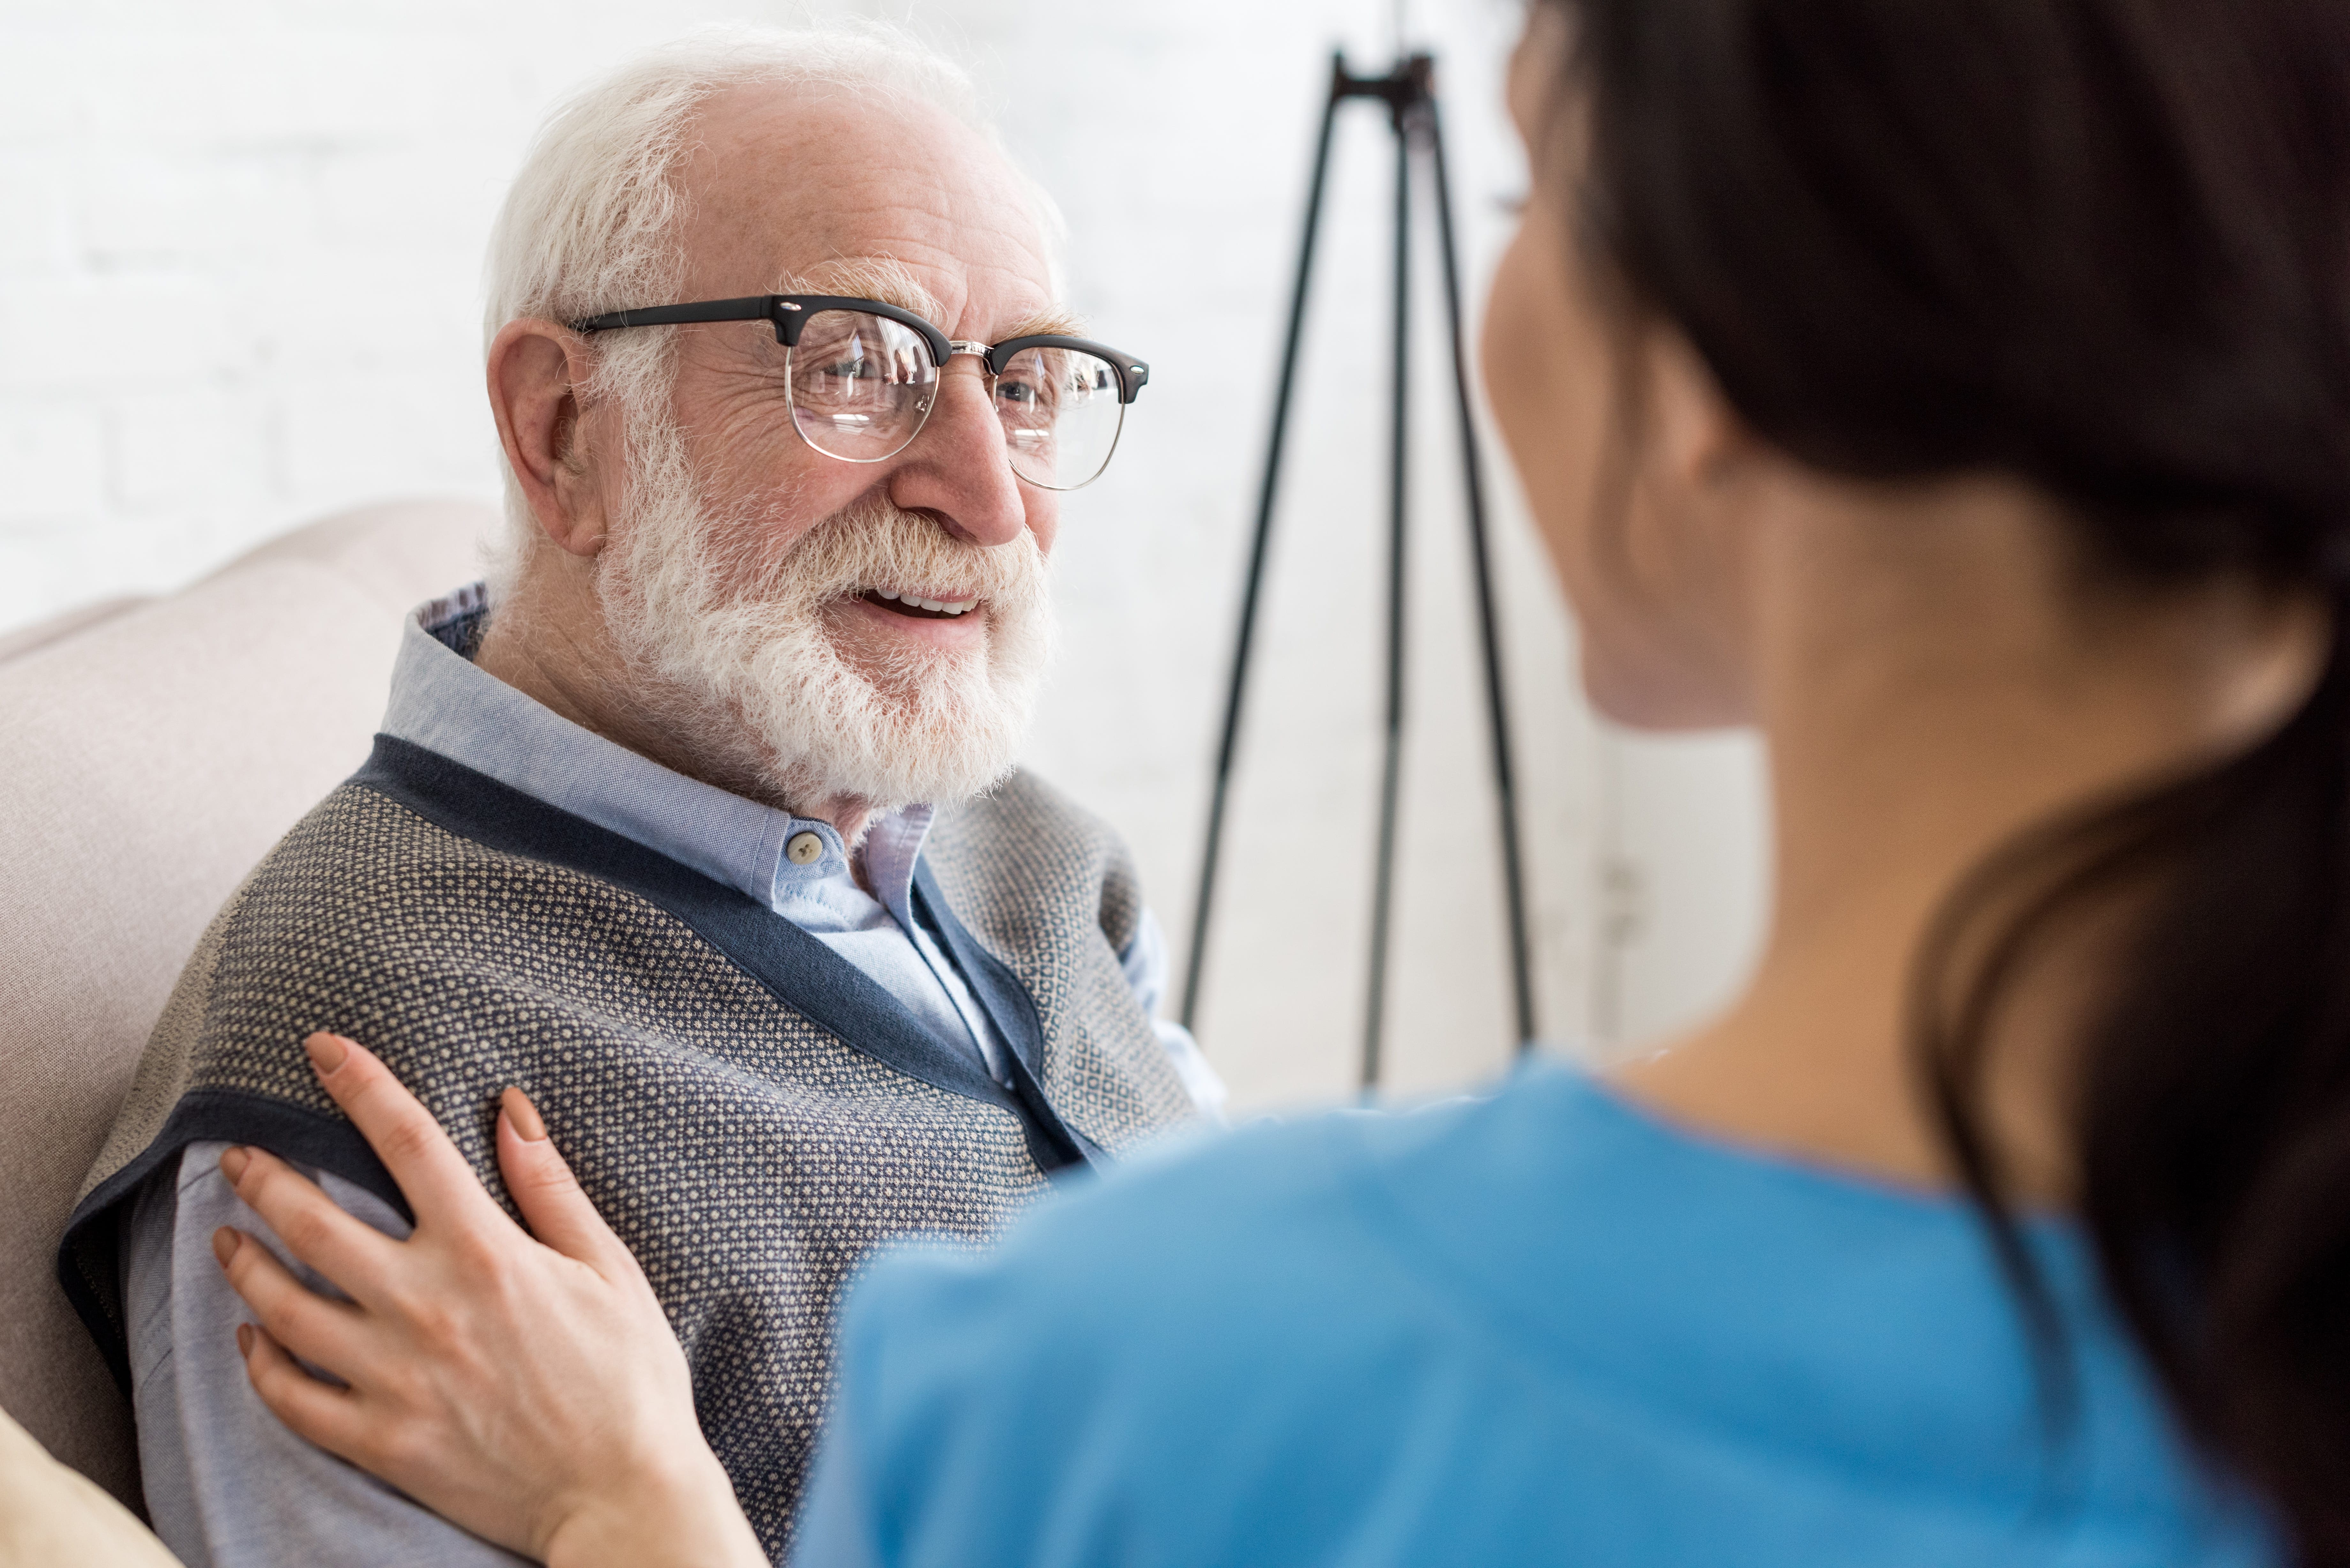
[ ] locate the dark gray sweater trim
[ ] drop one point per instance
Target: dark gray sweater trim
(86, 1254)
(1014, 1011)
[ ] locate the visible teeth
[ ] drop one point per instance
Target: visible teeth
(936, 606)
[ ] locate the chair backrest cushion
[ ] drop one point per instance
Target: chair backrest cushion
(149, 756)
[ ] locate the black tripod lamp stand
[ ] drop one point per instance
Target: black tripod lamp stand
(1408, 93)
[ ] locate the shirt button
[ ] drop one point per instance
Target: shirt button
(805, 848)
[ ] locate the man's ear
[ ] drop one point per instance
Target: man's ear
(536, 370)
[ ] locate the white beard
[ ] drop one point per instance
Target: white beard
(735, 642)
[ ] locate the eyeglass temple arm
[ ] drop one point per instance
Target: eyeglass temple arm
(1133, 374)
(758, 307)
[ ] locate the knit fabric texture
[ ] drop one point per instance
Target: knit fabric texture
(752, 1115)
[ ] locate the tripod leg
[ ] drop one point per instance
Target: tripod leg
(1392, 774)
(1246, 638)
(1497, 706)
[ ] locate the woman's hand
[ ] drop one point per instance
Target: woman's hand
(531, 1391)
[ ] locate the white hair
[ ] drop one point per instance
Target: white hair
(591, 223)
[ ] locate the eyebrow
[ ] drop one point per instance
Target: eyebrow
(884, 278)
(1051, 321)
(888, 280)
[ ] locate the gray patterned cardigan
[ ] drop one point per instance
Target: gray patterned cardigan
(752, 1113)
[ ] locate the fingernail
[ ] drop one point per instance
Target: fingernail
(244, 1339)
(232, 1163)
(224, 1245)
(525, 1116)
(327, 1053)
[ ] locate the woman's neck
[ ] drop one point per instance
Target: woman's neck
(1933, 678)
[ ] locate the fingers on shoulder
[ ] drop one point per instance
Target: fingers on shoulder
(307, 1224)
(404, 1133)
(294, 1207)
(393, 1119)
(523, 1143)
(316, 1327)
(547, 1191)
(320, 1412)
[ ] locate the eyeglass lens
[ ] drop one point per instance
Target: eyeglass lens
(1061, 415)
(862, 386)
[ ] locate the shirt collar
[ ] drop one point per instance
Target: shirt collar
(445, 702)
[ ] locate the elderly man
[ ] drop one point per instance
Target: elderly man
(702, 826)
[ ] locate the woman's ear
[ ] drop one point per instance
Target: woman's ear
(536, 370)
(1705, 478)
(1687, 533)
(1695, 439)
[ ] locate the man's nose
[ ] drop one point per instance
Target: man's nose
(959, 468)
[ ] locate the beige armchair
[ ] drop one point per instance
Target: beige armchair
(150, 751)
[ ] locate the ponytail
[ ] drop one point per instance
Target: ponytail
(2214, 1119)
(2211, 1101)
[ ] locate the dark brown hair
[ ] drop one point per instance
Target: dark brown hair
(2104, 246)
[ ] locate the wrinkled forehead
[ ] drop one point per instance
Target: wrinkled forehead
(793, 186)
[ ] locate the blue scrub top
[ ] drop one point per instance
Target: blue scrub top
(1539, 1327)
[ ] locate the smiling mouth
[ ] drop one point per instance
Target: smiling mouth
(916, 607)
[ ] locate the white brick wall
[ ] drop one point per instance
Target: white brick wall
(239, 252)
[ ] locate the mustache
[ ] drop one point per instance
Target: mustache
(872, 544)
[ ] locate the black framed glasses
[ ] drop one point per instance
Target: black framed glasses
(862, 377)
